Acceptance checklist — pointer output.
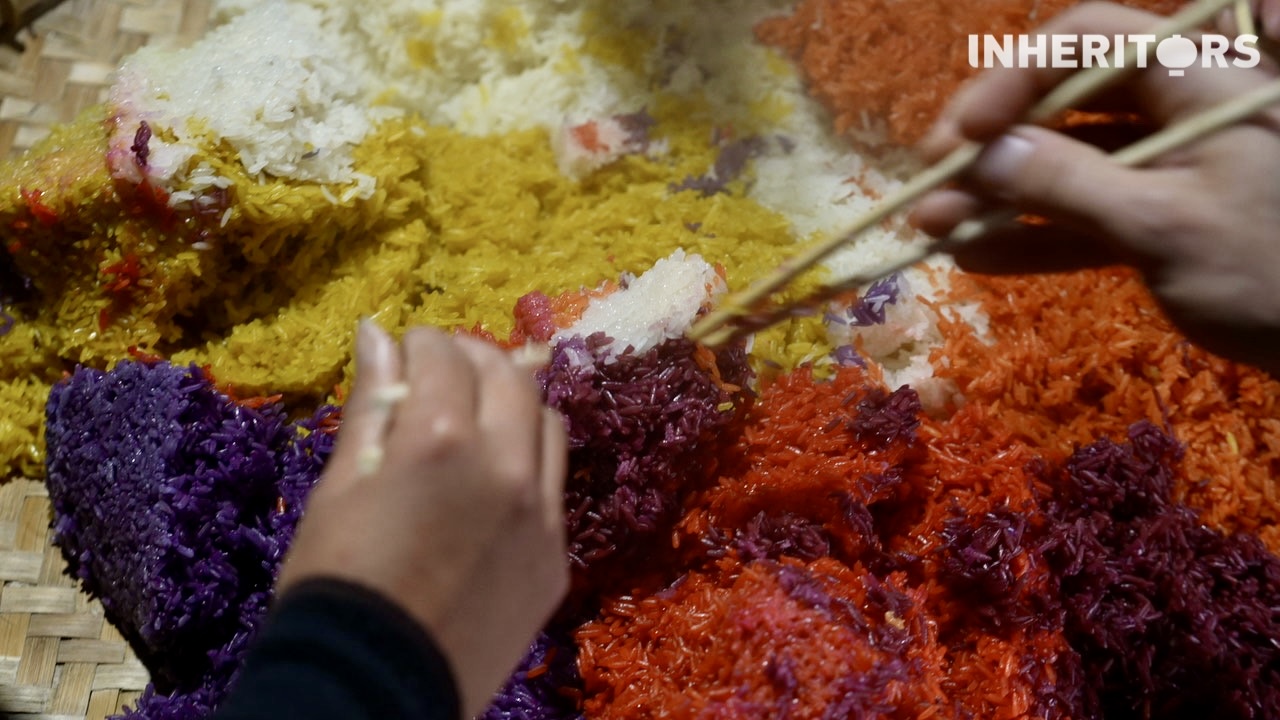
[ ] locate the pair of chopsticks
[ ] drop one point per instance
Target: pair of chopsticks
(742, 312)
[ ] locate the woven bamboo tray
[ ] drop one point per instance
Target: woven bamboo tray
(59, 660)
(70, 55)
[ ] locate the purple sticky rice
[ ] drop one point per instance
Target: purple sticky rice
(167, 503)
(1171, 618)
(980, 559)
(633, 425)
(544, 685)
(885, 418)
(771, 536)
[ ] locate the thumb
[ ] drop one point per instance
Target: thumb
(1043, 172)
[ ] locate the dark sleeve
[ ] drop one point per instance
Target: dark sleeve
(331, 649)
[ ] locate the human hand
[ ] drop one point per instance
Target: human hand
(1266, 19)
(462, 523)
(1200, 222)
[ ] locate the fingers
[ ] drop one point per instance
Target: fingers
(446, 395)
(555, 460)
(437, 416)
(1136, 213)
(940, 211)
(1039, 171)
(368, 411)
(467, 397)
(1265, 15)
(508, 415)
(1011, 248)
(1102, 212)
(457, 402)
(463, 524)
(989, 104)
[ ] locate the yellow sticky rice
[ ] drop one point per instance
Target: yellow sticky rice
(459, 228)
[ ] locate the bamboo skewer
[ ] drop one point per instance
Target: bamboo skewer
(1244, 19)
(1144, 151)
(711, 329)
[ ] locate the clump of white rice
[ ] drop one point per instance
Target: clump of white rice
(495, 66)
(659, 305)
(271, 82)
(480, 66)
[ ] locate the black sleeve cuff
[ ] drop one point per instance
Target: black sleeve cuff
(333, 649)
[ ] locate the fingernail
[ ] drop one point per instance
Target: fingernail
(935, 143)
(938, 211)
(1000, 163)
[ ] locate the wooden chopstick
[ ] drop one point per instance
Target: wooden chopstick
(1074, 89)
(1143, 151)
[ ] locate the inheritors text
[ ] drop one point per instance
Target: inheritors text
(1175, 53)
